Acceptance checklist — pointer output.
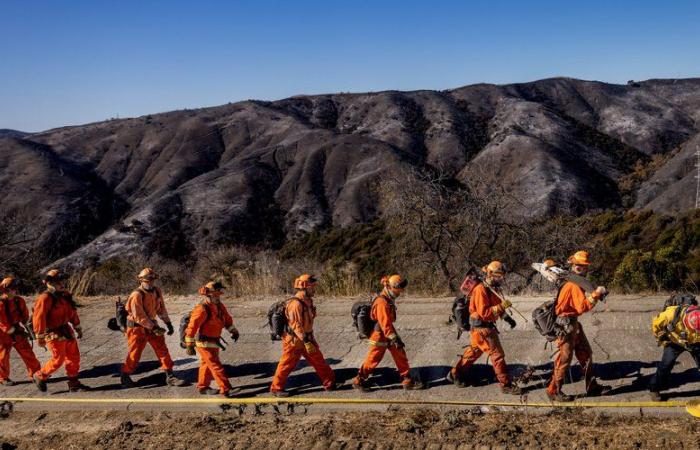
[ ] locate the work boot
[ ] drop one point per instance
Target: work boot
(74, 385)
(361, 385)
(172, 380)
(333, 387)
(40, 384)
(596, 390)
(7, 382)
(232, 393)
(413, 384)
(512, 389)
(280, 394)
(455, 379)
(655, 396)
(126, 381)
(560, 397)
(207, 391)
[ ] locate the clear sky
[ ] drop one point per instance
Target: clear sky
(73, 62)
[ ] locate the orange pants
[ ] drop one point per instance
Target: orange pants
(210, 368)
(63, 351)
(375, 356)
(484, 340)
(24, 349)
(291, 354)
(137, 338)
(573, 343)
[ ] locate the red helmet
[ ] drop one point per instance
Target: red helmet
(692, 318)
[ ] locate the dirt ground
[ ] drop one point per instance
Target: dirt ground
(396, 429)
(625, 354)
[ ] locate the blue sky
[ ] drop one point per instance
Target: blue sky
(75, 62)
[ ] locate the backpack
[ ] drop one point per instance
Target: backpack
(544, 318)
(277, 318)
(361, 317)
(184, 323)
(680, 300)
(460, 305)
(118, 322)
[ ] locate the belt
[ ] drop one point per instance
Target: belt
(478, 323)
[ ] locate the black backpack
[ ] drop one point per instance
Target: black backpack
(118, 322)
(277, 318)
(544, 318)
(460, 314)
(184, 323)
(680, 300)
(361, 317)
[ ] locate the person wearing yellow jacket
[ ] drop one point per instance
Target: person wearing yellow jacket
(677, 329)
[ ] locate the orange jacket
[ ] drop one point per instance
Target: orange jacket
(384, 313)
(18, 313)
(143, 307)
(300, 316)
(484, 304)
(52, 311)
(572, 301)
(208, 319)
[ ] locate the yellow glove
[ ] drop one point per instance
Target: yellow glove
(506, 304)
(190, 350)
(310, 347)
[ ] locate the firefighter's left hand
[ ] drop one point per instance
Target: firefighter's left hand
(171, 330)
(78, 331)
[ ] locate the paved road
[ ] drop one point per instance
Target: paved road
(619, 332)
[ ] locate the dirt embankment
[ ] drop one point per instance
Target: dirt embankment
(394, 429)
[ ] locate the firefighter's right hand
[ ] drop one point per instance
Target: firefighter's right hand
(41, 342)
(190, 350)
(600, 293)
(506, 304)
(310, 347)
(509, 320)
(158, 331)
(397, 342)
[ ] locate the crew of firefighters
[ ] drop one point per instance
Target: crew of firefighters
(54, 324)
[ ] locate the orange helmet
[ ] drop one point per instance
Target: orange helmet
(580, 258)
(147, 274)
(305, 281)
(212, 286)
(495, 268)
(8, 283)
(54, 275)
(394, 282)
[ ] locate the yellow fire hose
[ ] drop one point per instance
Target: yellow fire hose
(692, 407)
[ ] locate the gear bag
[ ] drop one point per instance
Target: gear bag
(680, 300)
(361, 317)
(460, 305)
(277, 318)
(544, 318)
(118, 322)
(184, 323)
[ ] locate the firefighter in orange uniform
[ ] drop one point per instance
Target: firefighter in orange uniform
(56, 324)
(486, 306)
(299, 339)
(144, 306)
(204, 332)
(385, 337)
(572, 301)
(13, 331)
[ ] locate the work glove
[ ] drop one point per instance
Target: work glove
(190, 350)
(397, 342)
(509, 320)
(310, 347)
(234, 334)
(78, 331)
(171, 330)
(41, 342)
(506, 304)
(158, 331)
(599, 294)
